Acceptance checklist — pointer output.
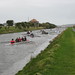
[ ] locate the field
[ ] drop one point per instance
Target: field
(57, 59)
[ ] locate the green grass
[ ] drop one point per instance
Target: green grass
(57, 59)
(12, 29)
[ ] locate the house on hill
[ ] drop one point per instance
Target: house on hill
(35, 22)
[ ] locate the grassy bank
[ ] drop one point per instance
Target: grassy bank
(57, 59)
(12, 29)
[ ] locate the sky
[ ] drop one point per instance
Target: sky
(58, 12)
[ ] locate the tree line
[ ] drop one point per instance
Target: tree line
(23, 25)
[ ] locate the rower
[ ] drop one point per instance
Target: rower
(16, 40)
(12, 41)
(24, 38)
(19, 39)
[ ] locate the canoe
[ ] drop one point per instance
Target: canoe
(22, 42)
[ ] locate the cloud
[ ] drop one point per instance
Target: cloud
(43, 10)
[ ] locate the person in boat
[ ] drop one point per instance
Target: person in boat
(17, 40)
(28, 32)
(24, 39)
(12, 41)
(44, 32)
(32, 35)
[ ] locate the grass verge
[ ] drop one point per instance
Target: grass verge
(57, 59)
(12, 29)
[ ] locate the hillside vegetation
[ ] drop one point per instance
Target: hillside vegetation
(11, 27)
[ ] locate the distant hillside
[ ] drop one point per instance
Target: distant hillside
(68, 25)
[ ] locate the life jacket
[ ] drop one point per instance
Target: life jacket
(20, 39)
(12, 41)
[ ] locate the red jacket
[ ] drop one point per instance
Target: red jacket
(12, 41)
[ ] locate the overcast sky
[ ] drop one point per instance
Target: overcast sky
(54, 11)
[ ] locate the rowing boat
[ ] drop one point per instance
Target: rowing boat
(22, 42)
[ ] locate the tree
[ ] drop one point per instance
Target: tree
(18, 25)
(27, 24)
(1, 25)
(23, 24)
(48, 25)
(10, 22)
